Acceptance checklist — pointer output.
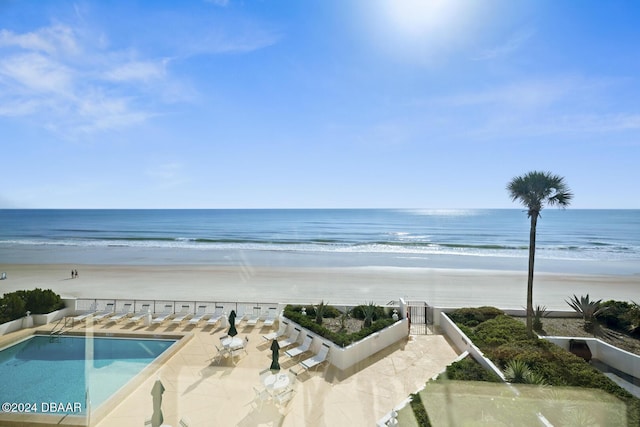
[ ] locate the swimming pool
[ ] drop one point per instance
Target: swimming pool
(52, 375)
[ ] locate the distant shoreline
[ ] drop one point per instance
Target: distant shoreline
(337, 285)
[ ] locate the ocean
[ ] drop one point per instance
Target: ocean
(568, 241)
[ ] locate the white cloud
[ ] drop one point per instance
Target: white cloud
(513, 44)
(137, 71)
(36, 73)
(74, 81)
(43, 78)
(55, 40)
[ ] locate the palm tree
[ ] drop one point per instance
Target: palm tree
(534, 190)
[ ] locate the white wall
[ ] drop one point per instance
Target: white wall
(621, 360)
(346, 357)
(14, 325)
(43, 319)
(463, 343)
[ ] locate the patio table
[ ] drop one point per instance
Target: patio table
(276, 383)
(233, 343)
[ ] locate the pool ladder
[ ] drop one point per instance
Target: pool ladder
(58, 329)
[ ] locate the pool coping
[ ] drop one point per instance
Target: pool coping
(94, 416)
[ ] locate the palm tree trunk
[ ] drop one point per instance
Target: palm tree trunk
(532, 255)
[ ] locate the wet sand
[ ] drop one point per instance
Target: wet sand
(338, 285)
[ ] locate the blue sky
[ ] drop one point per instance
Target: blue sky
(316, 103)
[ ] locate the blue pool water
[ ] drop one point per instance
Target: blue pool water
(51, 376)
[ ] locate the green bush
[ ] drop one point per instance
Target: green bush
(15, 305)
(471, 317)
(419, 411)
(342, 339)
(12, 307)
(358, 312)
(468, 369)
(614, 316)
(498, 331)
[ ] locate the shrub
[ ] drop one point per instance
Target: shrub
(468, 369)
(358, 312)
(14, 305)
(474, 316)
(518, 372)
(539, 313)
(614, 316)
(418, 410)
(43, 301)
(498, 331)
(589, 310)
(633, 317)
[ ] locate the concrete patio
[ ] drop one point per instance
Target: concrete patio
(201, 393)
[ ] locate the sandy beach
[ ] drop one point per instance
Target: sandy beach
(338, 285)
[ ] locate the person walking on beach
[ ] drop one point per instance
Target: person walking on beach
(73, 274)
(76, 271)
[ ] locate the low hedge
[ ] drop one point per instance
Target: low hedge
(14, 305)
(342, 339)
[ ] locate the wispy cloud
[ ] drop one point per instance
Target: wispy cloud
(513, 44)
(54, 40)
(564, 105)
(137, 71)
(73, 81)
(65, 84)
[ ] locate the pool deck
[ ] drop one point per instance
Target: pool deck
(201, 393)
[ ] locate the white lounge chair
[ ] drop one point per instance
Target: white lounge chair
(200, 315)
(126, 310)
(108, 311)
(302, 348)
(316, 360)
(92, 310)
(184, 314)
(144, 310)
(165, 315)
(275, 335)
(253, 318)
(271, 316)
(292, 339)
(217, 315)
